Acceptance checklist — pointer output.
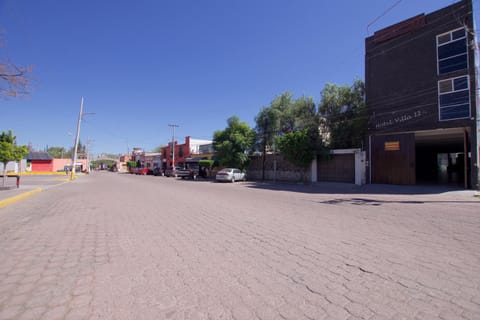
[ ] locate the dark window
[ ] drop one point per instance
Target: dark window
(454, 98)
(460, 83)
(460, 33)
(452, 51)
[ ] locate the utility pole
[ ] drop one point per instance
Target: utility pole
(77, 136)
(87, 150)
(173, 144)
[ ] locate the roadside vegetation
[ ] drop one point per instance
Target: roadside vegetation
(297, 128)
(9, 151)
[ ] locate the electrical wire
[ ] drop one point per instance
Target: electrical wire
(382, 15)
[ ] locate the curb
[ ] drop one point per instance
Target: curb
(10, 200)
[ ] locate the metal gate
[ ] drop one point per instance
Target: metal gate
(337, 168)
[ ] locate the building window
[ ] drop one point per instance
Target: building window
(454, 98)
(452, 51)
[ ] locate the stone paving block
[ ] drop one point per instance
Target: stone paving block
(245, 253)
(337, 312)
(31, 314)
(359, 310)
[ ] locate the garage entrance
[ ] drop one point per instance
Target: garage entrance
(439, 157)
(442, 157)
(337, 168)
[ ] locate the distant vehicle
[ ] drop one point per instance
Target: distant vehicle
(230, 174)
(157, 171)
(141, 171)
(190, 170)
(171, 172)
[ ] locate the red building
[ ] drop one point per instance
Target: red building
(40, 162)
(190, 149)
(182, 151)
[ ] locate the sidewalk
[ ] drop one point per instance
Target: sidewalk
(369, 189)
(29, 185)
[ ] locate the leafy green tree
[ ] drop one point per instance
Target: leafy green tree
(343, 115)
(267, 127)
(7, 137)
(81, 151)
(131, 164)
(286, 115)
(281, 111)
(9, 151)
(233, 144)
(57, 152)
(296, 147)
(103, 163)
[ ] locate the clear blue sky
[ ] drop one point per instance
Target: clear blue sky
(144, 64)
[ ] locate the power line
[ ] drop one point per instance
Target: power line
(382, 15)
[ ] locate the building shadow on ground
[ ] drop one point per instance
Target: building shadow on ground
(348, 188)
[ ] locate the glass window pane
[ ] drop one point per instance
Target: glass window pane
(455, 112)
(444, 38)
(458, 34)
(460, 83)
(453, 64)
(445, 86)
(454, 98)
(452, 49)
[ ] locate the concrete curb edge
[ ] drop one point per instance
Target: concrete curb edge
(13, 199)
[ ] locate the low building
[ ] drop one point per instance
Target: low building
(62, 164)
(39, 161)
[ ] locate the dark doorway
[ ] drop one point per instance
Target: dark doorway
(440, 158)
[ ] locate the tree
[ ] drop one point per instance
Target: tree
(286, 115)
(267, 126)
(7, 137)
(131, 164)
(297, 147)
(15, 80)
(233, 144)
(343, 115)
(58, 152)
(9, 151)
(81, 151)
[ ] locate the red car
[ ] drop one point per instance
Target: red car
(142, 171)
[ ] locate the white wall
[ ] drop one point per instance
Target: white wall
(15, 166)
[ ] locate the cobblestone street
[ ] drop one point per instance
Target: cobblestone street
(113, 246)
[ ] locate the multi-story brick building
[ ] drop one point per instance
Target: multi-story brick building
(191, 148)
(421, 97)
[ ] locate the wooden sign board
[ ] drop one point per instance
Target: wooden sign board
(392, 146)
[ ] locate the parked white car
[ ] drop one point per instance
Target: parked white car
(230, 174)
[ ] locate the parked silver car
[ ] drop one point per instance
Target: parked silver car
(230, 174)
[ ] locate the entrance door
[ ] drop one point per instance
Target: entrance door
(393, 159)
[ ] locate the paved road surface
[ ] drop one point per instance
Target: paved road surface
(112, 246)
